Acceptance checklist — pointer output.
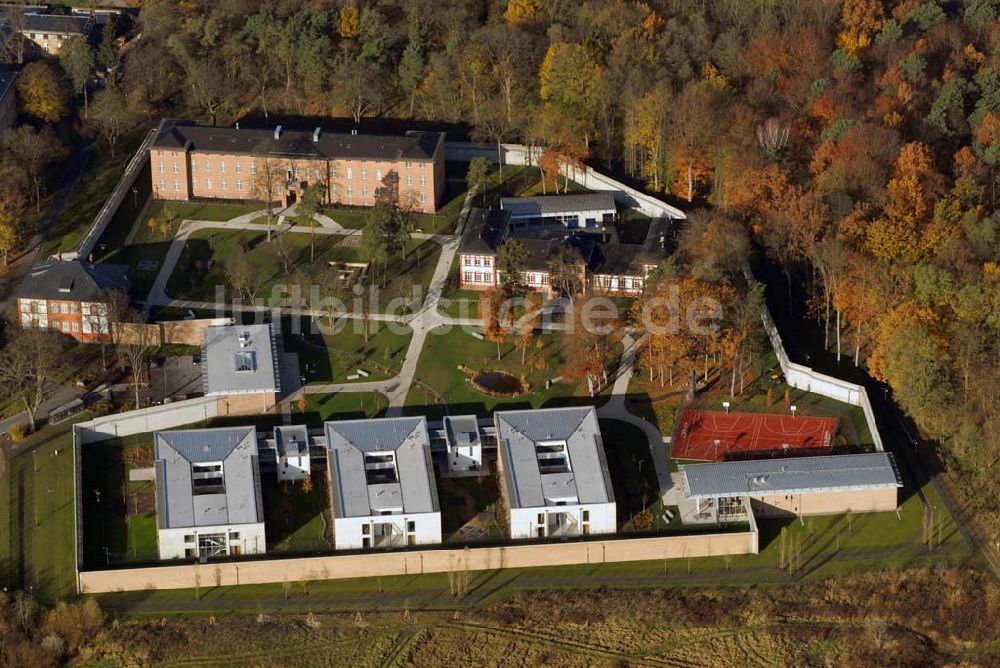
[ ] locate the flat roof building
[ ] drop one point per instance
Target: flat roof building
(585, 211)
(822, 485)
(292, 452)
(555, 475)
(208, 494)
(241, 360)
(465, 443)
(382, 488)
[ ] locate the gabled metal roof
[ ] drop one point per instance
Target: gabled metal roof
(176, 452)
(518, 433)
(792, 475)
(406, 437)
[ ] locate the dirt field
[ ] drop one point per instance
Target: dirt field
(918, 617)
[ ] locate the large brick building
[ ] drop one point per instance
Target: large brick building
(70, 297)
(190, 161)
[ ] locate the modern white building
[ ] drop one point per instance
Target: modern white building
(555, 475)
(208, 498)
(794, 486)
(382, 488)
(465, 444)
(584, 211)
(240, 363)
(292, 449)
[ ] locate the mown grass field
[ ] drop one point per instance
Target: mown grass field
(331, 357)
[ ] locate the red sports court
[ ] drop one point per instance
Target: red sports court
(714, 435)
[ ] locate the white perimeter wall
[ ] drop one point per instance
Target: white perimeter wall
(524, 521)
(154, 418)
(519, 154)
(251, 541)
(347, 530)
(802, 377)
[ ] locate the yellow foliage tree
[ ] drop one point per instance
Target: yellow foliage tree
(350, 23)
(521, 12)
(860, 21)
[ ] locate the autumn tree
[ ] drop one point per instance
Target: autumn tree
(266, 185)
(112, 115)
(42, 95)
(491, 306)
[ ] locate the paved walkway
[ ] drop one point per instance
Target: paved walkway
(615, 409)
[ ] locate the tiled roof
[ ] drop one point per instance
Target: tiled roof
(72, 280)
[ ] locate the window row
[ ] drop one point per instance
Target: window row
(475, 261)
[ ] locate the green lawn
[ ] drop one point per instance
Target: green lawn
(630, 465)
(445, 350)
(119, 518)
(201, 265)
(36, 514)
(99, 178)
(294, 519)
(325, 358)
(341, 406)
(217, 211)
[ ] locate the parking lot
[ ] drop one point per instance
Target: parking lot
(176, 378)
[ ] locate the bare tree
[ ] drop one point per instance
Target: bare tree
(243, 276)
(138, 341)
(27, 367)
(102, 317)
(266, 185)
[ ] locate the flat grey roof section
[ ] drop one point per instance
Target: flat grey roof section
(462, 430)
(553, 205)
(222, 356)
(347, 443)
(519, 431)
(291, 440)
(177, 504)
(794, 475)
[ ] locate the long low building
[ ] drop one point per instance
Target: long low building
(191, 161)
(555, 476)
(794, 486)
(382, 488)
(593, 212)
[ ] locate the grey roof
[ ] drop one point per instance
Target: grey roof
(553, 205)
(51, 23)
(73, 280)
(462, 430)
(186, 135)
(793, 475)
(517, 434)
(349, 440)
(540, 253)
(485, 229)
(632, 259)
(176, 451)
(291, 440)
(223, 354)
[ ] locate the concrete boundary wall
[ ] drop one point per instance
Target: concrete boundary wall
(107, 212)
(419, 562)
(588, 177)
(154, 418)
(802, 377)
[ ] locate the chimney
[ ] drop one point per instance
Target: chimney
(316, 135)
(277, 132)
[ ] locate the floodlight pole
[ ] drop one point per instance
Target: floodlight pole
(793, 409)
